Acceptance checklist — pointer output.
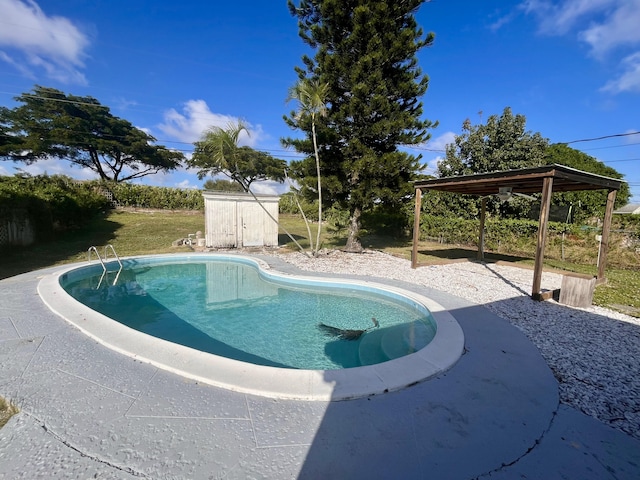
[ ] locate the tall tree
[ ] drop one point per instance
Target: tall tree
(312, 97)
(218, 152)
(500, 144)
(365, 50)
(50, 123)
(584, 204)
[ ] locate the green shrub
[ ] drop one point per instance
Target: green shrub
(387, 221)
(52, 203)
(288, 205)
(146, 196)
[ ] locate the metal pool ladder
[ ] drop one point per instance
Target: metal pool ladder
(103, 259)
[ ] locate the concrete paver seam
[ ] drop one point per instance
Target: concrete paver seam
(253, 427)
(33, 355)
(137, 397)
(97, 384)
(14, 326)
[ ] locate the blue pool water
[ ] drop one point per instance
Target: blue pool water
(230, 307)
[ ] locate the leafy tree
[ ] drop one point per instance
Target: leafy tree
(50, 123)
(503, 143)
(500, 144)
(365, 50)
(585, 203)
(223, 185)
(218, 153)
(311, 97)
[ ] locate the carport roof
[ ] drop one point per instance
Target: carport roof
(525, 180)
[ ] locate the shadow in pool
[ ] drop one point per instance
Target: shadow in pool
(143, 313)
(379, 345)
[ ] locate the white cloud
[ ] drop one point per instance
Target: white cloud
(620, 28)
(268, 187)
(557, 18)
(629, 81)
(432, 165)
(602, 24)
(49, 43)
(186, 184)
(441, 141)
(50, 166)
(609, 27)
(196, 118)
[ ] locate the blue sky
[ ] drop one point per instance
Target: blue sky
(572, 67)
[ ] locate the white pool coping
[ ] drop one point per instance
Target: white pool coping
(281, 383)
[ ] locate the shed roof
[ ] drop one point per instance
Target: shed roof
(633, 208)
(525, 180)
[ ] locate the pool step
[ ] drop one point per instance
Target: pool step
(401, 340)
(380, 345)
(370, 351)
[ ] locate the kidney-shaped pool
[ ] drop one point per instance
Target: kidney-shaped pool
(231, 321)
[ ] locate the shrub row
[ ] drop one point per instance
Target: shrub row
(52, 203)
(145, 196)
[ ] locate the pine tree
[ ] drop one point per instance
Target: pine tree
(365, 51)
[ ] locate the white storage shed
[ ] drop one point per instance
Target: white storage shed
(236, 220)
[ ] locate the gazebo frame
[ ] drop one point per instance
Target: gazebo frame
(546, 179)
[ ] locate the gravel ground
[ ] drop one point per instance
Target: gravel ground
(594, 353)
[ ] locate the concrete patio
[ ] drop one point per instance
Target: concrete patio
(90, 412)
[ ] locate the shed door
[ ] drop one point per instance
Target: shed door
(252, 224)
(221, 224)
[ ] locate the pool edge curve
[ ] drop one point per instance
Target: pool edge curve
(327, 385)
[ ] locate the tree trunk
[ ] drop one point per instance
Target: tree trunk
(315, 149)
(353, 242)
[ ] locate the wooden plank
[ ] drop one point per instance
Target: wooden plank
(545, 206)
(416, 229)
(606, 228)
(546, 295)
(483, 214)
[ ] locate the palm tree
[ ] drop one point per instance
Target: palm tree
(217, 151)
(311, 96)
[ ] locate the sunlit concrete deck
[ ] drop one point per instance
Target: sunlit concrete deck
(90, 412)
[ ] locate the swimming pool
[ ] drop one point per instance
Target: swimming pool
(395, 331)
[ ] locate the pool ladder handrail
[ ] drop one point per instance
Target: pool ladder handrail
(93, 248)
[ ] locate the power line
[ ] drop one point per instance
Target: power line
(603, 137)
(611, 146)
(285, 154)
(621, 160)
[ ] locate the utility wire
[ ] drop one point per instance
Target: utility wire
(603, 137)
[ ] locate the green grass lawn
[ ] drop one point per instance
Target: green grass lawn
(149, 232)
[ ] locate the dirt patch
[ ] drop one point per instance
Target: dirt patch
(633, 311)
(7, 410)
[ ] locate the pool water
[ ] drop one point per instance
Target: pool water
(231, 308)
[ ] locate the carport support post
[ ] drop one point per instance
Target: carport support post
(483, 214)
(545, 205)
(416, 229)
(604, 243)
